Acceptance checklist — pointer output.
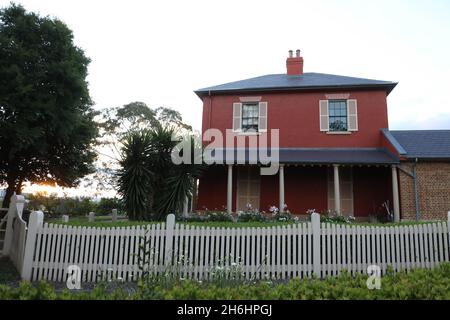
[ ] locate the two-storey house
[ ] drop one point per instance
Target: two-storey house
(336, 152)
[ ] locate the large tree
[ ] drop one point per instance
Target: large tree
(47, 131)
(115, 126)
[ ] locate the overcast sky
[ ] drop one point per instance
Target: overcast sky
(159, 52)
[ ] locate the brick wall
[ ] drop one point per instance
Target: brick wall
(433, 184)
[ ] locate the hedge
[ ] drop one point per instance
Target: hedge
(416, 284)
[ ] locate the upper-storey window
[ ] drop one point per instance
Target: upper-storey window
(250, 117)
(337, 115)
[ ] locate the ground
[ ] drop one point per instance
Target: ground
(8, 273)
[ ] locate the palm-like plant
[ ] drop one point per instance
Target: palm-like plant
(135, 176)
(148, 180)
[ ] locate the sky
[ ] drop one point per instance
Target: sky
(159, 52)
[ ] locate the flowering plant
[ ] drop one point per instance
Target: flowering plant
(250, 214)
(282, 216)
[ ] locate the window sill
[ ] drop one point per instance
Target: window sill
(339, 132)
(241, 133)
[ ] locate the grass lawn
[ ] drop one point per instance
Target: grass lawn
(105, 222)
(83, 222)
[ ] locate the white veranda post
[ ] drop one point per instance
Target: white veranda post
(337, 192)
(230, 189)
(395, 196)
(281, 173)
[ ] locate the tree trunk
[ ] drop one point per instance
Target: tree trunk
(12, 187)
(9, 193)
(19, 187)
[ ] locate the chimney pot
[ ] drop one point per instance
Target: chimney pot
(294, 65)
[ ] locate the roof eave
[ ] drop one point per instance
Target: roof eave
(389, 87)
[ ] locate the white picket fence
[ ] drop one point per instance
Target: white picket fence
(16, 232)
(288, 251)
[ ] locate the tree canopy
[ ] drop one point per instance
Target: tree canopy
(47, 127)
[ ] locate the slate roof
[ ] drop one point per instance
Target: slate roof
(422, 144)
(319, 156)
(306, 81)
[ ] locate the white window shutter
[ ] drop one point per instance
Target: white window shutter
(237, 116)
(352, 114)
(262, 126)
(323, 111)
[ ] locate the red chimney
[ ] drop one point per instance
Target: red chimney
(294, 65)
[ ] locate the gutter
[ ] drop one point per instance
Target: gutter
(416, 195)
(388, 87)
(413, 175)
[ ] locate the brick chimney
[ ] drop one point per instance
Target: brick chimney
(294, 65)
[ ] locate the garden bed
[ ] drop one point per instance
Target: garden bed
(416, 284)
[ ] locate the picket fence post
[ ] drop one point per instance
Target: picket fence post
(35, 223)
(9, 223)
(448, 224)
(114, 215)
(315, 221)
(170, 225)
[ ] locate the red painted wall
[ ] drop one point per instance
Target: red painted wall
(269, 192)
(305, 188)
(212, 189)
(297, 117)
(371, 187)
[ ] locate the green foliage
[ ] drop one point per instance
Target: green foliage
(250, 215)
(148, 180)
(106, 205)
(118, 122)
(47, 131)
(418, 284)
(337, 219)
(219, 216)
(53, 206)
(135, 179)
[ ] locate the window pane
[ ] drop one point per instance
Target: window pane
(250, 117)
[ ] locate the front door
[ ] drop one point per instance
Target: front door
(248, 184)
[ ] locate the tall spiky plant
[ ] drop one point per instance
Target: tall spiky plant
(179, 184)
(135, 176)
(149, 181)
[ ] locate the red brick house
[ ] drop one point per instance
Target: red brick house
(335, 149)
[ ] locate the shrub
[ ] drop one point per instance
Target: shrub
(106, 205)
(219, 216)
(285, 216)
(193, 217)
(331, 216)
(250, 215)
(418, 284)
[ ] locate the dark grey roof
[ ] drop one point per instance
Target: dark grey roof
(423, 144)
(306, 81)
(316, 156)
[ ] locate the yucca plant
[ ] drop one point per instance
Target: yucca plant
(179, 182)
(148, 180)
(135, 176)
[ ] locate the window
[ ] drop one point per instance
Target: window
(250, 117)
(337, 114)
